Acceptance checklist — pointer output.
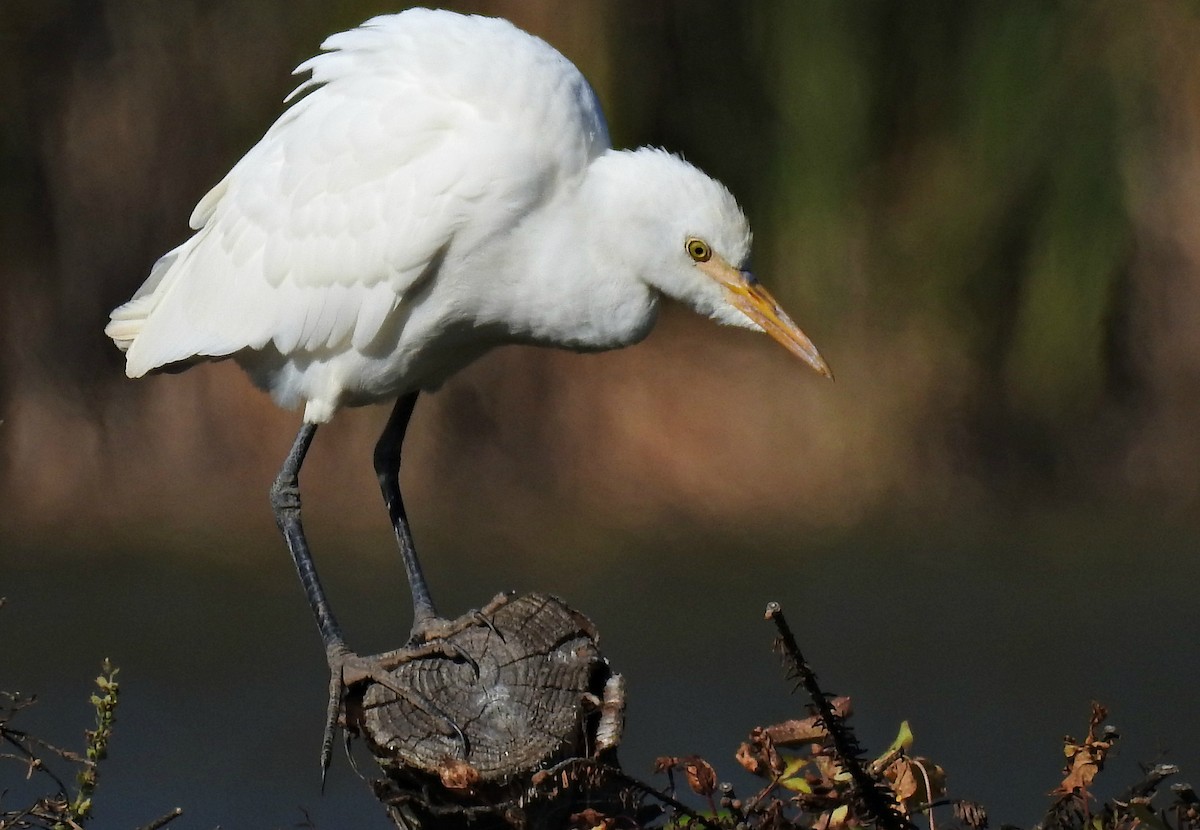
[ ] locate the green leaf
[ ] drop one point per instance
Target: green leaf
(904, 739)
(791, 777)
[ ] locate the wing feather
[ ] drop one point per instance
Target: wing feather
(399, 146)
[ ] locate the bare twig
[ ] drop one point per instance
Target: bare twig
(163, 820)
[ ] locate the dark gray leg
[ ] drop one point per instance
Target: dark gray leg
(346, 667)
(285, 501)
(387, 468)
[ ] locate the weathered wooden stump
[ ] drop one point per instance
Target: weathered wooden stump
(514, 725)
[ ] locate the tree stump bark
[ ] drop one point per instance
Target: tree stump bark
(516, 724)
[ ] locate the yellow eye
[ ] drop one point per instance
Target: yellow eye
(698, 250)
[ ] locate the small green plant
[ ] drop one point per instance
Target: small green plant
(105, 704)
(58, 810)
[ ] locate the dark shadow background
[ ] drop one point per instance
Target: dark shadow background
(984, 214)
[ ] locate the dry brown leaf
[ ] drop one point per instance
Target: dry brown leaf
(971, 814)
(907, 776)
(1085, 759)
(751, 761)
(666, 763)
(590, 819)
(759, 756)
(457, 775)
(1080, 771)
(904, 779)
(806, 730)
(701, 776)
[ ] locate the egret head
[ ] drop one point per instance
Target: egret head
(690, 240)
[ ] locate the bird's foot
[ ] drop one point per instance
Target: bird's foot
(428, 628)
(431, 636)
(347, 669)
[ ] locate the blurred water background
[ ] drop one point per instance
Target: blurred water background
(984, 214)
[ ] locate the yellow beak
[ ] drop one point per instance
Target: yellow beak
(749, 296)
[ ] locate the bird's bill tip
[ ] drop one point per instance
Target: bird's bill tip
(749, 296)
(757, 303)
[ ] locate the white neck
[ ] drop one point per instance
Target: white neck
(575, 289)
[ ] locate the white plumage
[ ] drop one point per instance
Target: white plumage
(413, 147)
(440, 185)
(445, 185)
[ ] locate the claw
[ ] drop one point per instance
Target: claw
(485, 620)
(429, 644)
(332, 708)
(456, 652)
(346, 736)
(347, 669)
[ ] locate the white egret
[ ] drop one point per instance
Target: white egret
(444, 185)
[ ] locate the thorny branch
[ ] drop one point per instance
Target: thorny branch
(875, 798)
(816, 776)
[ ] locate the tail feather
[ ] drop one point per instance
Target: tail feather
(126, 323)
(127, 320)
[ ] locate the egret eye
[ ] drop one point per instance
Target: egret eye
(698, 250)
